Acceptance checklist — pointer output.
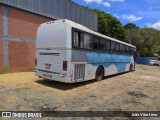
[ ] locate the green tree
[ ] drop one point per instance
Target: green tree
(130, 26)
(130, 30)
(109, 25)
(145, 39)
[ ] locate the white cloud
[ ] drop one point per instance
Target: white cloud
(106, 4)
(117, 16)
(116, 0)
(90, 1)
(148, 25)
(156, 25)
(100, 2)
(131, 18)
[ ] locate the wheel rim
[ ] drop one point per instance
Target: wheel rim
(99, 74)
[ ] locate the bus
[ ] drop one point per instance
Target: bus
(69, 52)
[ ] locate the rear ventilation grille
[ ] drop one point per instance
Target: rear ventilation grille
(79, 71)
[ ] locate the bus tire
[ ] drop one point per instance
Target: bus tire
(131, 68)
(99, 73)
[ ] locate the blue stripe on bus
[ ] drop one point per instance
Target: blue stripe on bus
(106, 60)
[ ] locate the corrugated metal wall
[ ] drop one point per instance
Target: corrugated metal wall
(58, 9)
(145, 60)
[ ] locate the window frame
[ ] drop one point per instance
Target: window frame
(79, 42)
(100, 39)
(121, 48)
(90, 35)
(113, 45)
(108, 49)
(118, 47)
(127, 49)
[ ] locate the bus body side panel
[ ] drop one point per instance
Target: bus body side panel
(112, 63)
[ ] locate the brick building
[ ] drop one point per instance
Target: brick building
(19, 20)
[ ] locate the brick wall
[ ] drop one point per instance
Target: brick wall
(21, 56)
(24, 24)
(21, 24)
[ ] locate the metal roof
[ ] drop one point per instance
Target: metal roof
(57, 9)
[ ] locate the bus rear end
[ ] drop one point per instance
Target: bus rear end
(51, 54)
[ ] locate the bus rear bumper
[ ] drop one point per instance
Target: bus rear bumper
(55, 77)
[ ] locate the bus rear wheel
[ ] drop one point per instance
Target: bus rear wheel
(99, 73)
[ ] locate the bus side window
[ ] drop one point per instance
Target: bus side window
(102, 44)
(130, 50)
(81, 41)
(127, 49)
(76, 39)
(117, 47)
(121, 48)
(113, 46)
(87, 41)
(96, 43)
(124, 48)
(108, 45)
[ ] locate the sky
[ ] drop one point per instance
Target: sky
(143, 13)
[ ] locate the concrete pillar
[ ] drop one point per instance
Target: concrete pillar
(5, 33)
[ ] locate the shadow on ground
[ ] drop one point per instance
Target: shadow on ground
(62, 86)
(69, 86)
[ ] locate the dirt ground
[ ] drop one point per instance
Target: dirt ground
(134, 91)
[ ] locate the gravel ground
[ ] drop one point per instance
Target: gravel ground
(134, 91)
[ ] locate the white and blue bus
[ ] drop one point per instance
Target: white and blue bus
(69, 52)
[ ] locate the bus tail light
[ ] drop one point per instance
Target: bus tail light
(64, 65)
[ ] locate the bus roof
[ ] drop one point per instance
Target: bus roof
(83, 28)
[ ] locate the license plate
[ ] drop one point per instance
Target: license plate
(47, 66)
(47, 75)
